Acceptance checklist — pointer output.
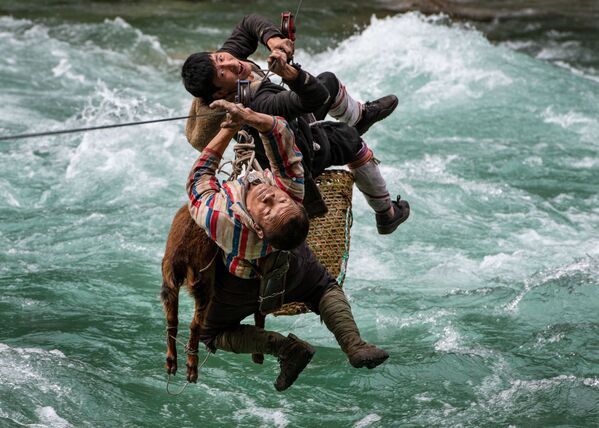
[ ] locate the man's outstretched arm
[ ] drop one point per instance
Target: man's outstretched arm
(284, 157)
(306, 94)
(209, 202)
(252, 29)
(202, 182)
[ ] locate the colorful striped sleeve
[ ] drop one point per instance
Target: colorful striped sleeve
(285, 159)
(208, 201)
(202, 181)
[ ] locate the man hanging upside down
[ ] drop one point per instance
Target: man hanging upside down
(214, 75)
(252, 219)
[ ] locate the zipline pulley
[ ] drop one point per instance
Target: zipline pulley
(288, 25)
(244, 93)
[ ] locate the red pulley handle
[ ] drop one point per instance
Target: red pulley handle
(288, 25)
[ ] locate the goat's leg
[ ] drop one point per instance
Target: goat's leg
(192, 353)
(194, 339)
(170, 301)
(188, 250)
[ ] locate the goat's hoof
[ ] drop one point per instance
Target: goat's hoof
(171, 365)
(192, 373)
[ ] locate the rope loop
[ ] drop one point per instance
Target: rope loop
(188, 351)
(245, 157)
(180, 391)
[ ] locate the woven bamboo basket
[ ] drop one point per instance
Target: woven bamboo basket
(329, 235)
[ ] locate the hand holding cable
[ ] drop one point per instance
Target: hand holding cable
(237, 115)
(278, 64)
(285, 45)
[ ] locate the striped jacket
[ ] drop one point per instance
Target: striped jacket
(219, 208)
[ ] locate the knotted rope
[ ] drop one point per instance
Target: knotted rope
(245, 157)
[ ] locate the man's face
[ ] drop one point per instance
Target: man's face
(228, 70)
(269, 206)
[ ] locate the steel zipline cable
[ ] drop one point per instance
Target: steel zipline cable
(299, 6)
(95, 128)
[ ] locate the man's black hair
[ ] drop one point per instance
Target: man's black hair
(198, 73)
(291, 234)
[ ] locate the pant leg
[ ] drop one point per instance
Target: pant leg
(232, 300)
(235, 298)
(330, 81)
(341, 146)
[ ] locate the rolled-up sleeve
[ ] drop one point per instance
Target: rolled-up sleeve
(285, 159)
(245, 37)
(203, 189)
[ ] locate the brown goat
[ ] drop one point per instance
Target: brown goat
(189, 258)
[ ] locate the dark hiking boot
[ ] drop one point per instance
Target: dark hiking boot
(367, 356)
(373, 111)
(294, 356)
(336, 314)
(386, 224)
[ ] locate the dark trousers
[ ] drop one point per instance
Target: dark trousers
(342, 142)
(233, 298)
(331, 82)
(338, 142)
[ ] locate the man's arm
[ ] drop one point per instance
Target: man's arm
(202, 182)
(202, 185)
(279, 145)
(306, 93)
(245, 37)
(285, 159)
(238, 115)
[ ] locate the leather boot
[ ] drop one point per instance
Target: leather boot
(336, 313)
(373, 111)
(293, 354)
(367, 175)
(387, 222)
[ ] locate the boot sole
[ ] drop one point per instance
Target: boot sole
(370, 363)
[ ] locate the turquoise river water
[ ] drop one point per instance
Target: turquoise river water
(487, 299)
